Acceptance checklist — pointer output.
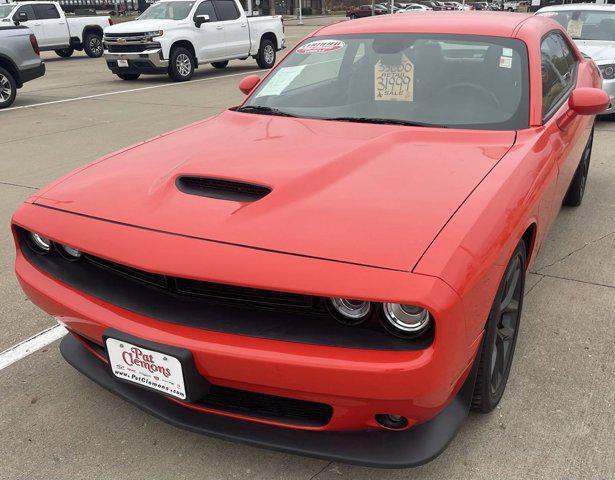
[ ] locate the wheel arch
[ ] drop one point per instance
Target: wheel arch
(187, 44)
(529, 238)
(9, 66)
(270, 36)
(91, 29)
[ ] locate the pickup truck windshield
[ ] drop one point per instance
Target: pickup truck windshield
(167, 11)
(457, 81)
(5, 10)
(585, 24)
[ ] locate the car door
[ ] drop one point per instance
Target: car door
(210, 45)
(56, 29)
(235, 27)
(32, 23)
(559, 66)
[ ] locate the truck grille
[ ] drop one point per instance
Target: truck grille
(131, 48)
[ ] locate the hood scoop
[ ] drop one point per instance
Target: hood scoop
(222, 189)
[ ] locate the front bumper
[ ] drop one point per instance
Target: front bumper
(148, 61)
(381, 448)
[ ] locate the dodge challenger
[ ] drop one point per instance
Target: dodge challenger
(336, 267)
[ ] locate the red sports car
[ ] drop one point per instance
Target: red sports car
(336, 267)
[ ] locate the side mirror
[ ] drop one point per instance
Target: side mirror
(249, 83)
(200, 20)
(588, 101)
(22, 17)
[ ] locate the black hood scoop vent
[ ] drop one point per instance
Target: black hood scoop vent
(222, 189)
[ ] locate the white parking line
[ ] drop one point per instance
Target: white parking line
(31, 345)
(22, 107)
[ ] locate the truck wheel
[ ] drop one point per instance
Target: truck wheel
(220, 64)
(181, 66)
(266, 54)
(93, 46)
(129, 76)
(8, 88)
(500, 338)
(353, 16)
(65, 52)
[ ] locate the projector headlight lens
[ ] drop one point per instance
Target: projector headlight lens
(70, 252)
(405, 320)
(607, 71)
(40, 243)
(350, 312)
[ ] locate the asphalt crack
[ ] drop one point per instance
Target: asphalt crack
(320, 471)
(19, 185)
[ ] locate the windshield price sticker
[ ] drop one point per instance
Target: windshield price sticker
(321, 46)
(507, 52)
(281, 79)
(574, 28)
(394, 82)
(505, 62)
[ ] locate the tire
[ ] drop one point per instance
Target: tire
(129, 76)
(93, 46)
(266, 54)
(576, 190)
(181, 65)
(220, 64)
(65, 52)
(8, 89)
(500, 338)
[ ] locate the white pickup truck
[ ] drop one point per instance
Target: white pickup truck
(176, 36)
(54, 30)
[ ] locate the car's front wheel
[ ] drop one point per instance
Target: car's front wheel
(500, 336)
(8, 89)
(93, 46)
(181, 65)
(576, 190)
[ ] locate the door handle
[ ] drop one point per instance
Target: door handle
(37, 24)
(219, 27)
(243, 25)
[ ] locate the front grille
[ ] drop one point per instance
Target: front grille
(255, 405)
(125, 35)
(128, 48)
(267, 407)
(210, 290)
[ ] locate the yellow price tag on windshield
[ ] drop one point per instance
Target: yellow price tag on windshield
(394, 82)
(575, 28)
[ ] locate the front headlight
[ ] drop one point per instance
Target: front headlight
(154, 33)
(39, 243)
(405, 320)
(350, 312)
(607, 71)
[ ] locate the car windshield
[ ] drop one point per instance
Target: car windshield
(5, 10)
(167, 11)
(433, 80)
(585, 24)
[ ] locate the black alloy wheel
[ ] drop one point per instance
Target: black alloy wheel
(500, 338)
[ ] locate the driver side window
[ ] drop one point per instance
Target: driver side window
(207, 8)
(558, 69)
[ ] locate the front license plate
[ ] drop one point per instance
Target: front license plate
(122, 63)
(148, 368)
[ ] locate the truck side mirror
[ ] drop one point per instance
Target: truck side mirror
(200, 20)
(22, 17)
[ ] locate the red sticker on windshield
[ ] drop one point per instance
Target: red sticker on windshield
(320, 46)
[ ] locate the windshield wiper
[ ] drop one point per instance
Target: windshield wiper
(259, 109)
(386, 121)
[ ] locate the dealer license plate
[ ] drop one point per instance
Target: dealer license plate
(122, 63)
(148, 368)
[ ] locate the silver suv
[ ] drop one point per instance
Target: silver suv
(20, 61)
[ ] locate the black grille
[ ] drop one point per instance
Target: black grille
(214, 291)
(267, 407)
(124, 35)
(130, 48)
(222, 189)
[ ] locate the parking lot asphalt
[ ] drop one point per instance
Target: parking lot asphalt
(555, 421)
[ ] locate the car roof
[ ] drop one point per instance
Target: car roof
(579, 6)
(499, 24)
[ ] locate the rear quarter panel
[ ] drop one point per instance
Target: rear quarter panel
(15, 46)
(261, 25)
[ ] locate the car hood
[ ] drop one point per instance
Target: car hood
(367, 194)
(141, 26)
(598, 50)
